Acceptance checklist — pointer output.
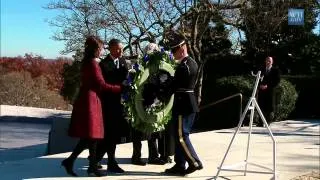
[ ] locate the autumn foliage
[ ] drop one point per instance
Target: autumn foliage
(32, 81)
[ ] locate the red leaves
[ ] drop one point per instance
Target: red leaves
(36, 66)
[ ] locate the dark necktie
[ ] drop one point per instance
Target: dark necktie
(267, 70)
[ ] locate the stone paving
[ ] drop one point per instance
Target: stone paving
(297, 154)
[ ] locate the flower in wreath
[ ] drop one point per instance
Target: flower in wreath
(150, 103)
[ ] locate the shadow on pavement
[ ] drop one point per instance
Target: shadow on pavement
(16, 154)
(47, 167)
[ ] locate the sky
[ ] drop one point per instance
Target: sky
(24, 29)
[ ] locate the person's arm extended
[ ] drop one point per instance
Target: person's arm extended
(99, 83)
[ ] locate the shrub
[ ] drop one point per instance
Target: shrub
(227, 86)
(307, 105)
(224, 114)
(19, 88)
(285, 93)
(71, 81)
(286, 97)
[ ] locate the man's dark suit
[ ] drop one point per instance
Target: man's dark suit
(114, 121)
(266, 98)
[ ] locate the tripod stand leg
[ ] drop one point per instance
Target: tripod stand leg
(234, 135)
(252, 104)
(271, 135)
(249, 136)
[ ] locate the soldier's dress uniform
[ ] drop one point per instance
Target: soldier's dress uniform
(184, 113)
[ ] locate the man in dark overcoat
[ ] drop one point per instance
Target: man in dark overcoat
(270, 78)
(115, 71)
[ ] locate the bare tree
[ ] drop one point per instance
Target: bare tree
(78, 19)
(138, 21)
(261, 21)
(194, 23)
(265, 25)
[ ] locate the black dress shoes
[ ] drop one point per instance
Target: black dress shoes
(166, 159)
(99, 165)
(156, 161)
(138, 161)
(114, 168)
(68, 166)
(94, 173)
(176, 170)
(192, 169)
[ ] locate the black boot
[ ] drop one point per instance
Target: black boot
(93, 172)
(192, 169)
(93, 169)
(166, 159)
(176, 170)
(114, 167)
(138, 161)
(99, 165)
(156, 161)
(68, 166)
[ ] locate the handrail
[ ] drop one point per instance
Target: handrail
(224, 99)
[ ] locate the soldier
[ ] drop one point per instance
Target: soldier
(185, 107)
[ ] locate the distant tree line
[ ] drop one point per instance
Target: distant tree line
(209, 27)
(32, 81)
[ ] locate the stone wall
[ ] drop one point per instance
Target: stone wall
(7, 110)
(58, 139)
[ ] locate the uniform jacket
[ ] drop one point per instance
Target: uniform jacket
(86, 118)
(184, 81)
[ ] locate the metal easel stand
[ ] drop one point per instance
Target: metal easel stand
(252, 105)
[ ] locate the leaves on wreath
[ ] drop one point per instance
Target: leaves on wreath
(155, 92)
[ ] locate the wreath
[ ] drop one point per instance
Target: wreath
(149, 102)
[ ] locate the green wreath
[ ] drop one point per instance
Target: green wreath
(154, 118)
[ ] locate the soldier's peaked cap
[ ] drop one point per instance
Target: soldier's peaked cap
(175, 39)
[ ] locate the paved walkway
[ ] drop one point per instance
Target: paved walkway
(297, 154)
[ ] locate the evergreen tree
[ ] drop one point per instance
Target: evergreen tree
(294, 48)
(71, 78)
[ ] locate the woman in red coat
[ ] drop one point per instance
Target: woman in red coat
(86, 119)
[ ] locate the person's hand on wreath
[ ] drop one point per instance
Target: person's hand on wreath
(132, 73)
(125, 86)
